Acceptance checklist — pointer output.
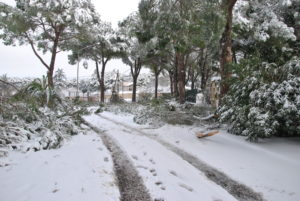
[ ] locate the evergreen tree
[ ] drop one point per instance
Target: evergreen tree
(47, 26)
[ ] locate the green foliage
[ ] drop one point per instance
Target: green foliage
(144, 97)
(37, 94)
(99, 110)
(265, 102)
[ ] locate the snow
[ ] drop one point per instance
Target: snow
(270, 166)
(215, 78)
(165, 174)
(81, 170)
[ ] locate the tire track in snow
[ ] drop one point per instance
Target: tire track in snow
(130, 183)
(238, 190)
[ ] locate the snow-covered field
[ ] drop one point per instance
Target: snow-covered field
(81, 170)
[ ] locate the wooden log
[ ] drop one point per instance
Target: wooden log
(202, 134)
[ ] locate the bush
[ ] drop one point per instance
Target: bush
(36, 118)
(264, 106)
(144, 97)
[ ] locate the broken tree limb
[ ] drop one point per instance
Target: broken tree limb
(202, 134)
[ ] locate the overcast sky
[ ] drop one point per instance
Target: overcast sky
(21, 62)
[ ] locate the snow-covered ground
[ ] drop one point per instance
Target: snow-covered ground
(270, 166)
(165, 174)
(81, 170)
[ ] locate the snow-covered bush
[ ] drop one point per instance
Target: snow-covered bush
(27, 123)
(165, 111)
(266, 102)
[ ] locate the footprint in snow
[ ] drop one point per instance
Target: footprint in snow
(186, 187)
(126, 131)
(152, 170)
(142, 167)
(106, 159)
(172, 172)
(135, 157)
(55, 190)
(158, 183)
(292, 193)
(152, 161)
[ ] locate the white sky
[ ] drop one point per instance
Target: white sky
(21, 62)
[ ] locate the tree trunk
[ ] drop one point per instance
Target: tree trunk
(226, 47)
(175, 80)
(171, 83)
(181, 77)
(134, 89)
(193, 80)
(102, 86)
(135, 71)
(234, 56)
(156, 84)
(98, 73)
(52, 62)
(50, 78)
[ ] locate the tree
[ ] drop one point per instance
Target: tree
(135, 52)
(262, 100)
(47, 26)
(183, 27)
(173, 26)
(267, 29)
(226, 45)
(100, 44)
(109, 47)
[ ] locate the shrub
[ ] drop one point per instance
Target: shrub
(265, 103)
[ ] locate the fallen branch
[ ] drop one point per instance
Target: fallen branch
(202, 134)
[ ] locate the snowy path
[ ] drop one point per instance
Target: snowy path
(270, 167)
(82, 170)
(238, 190)
(130, 183)
(166, 175)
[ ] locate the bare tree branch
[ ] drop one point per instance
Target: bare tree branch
(35, 52)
